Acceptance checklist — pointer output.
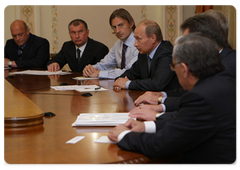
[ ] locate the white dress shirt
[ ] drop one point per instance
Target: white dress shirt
(110, 65)
(150, 127)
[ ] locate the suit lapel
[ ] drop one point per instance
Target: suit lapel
(153, 65)
(27, 47)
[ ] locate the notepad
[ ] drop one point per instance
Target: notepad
(84, 78)
(40, 72)
(101, 119)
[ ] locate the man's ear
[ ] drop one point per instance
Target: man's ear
(185, 70)
(153, 38)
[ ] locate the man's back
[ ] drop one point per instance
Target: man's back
(217, 119)
(203, 130)
(228, 57)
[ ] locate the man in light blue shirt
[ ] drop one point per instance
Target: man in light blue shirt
(118, 60)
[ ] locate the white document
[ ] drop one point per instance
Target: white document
(75, 139)
(40, 72)
(84, 78)
(91, 89)
(101, 119)
(104, 139)
(76, 87)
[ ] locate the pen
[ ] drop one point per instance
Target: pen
(97, 88)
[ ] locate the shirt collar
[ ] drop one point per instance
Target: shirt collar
(81, 48)
(153, 52)
(130, 40)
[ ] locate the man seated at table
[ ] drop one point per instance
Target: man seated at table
(213, 24)
(25, 50)
(78, 52)
(151, 71)
(203, 129)
(123, 54)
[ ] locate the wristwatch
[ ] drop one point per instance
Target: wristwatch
(9, 64)
(160, 99)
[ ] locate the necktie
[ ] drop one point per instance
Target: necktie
(123, 56)
(21, 51)
(78, 55)
(149, 63)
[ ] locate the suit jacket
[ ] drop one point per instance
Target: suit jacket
(228, 57)
(93, 53)
(160, 78)
(203, 130)
(34, 55)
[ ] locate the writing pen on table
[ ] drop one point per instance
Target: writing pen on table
(97, 88)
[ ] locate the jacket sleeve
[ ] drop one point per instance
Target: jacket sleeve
(39, 55)
(59, 57)
(176, 133)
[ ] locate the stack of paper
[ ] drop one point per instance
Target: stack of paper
(79, 88)
(101, 119)
(40, 72)
(84, 78)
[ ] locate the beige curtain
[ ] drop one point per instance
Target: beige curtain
(203, 8)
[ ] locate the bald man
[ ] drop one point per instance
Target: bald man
(25, 50)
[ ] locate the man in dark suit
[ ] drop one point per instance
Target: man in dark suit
(213, 24)
(151, 71)
(80, 51)
(25, 50)
(203, 130)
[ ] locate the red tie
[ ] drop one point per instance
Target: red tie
(123, 56)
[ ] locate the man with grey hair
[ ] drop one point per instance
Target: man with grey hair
(78, 52)
(214, 25)
(203, 129)
(151, 71)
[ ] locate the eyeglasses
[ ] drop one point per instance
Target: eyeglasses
(172, 66)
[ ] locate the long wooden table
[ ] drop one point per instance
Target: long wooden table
(46, 143)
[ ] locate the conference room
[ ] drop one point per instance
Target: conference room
(42, 109)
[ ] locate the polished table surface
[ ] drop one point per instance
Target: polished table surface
(46, 143)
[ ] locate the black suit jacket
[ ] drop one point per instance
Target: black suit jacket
(34, 55)
(228, 57)
(203, 130)
(160, 78)
(93, 53)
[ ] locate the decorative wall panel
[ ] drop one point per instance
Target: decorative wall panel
(27, 14)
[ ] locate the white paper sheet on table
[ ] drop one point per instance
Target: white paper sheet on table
(84, 78)
(80, 88)
(103, 139)
(91, 89)
(101, 119)
(40, 72)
